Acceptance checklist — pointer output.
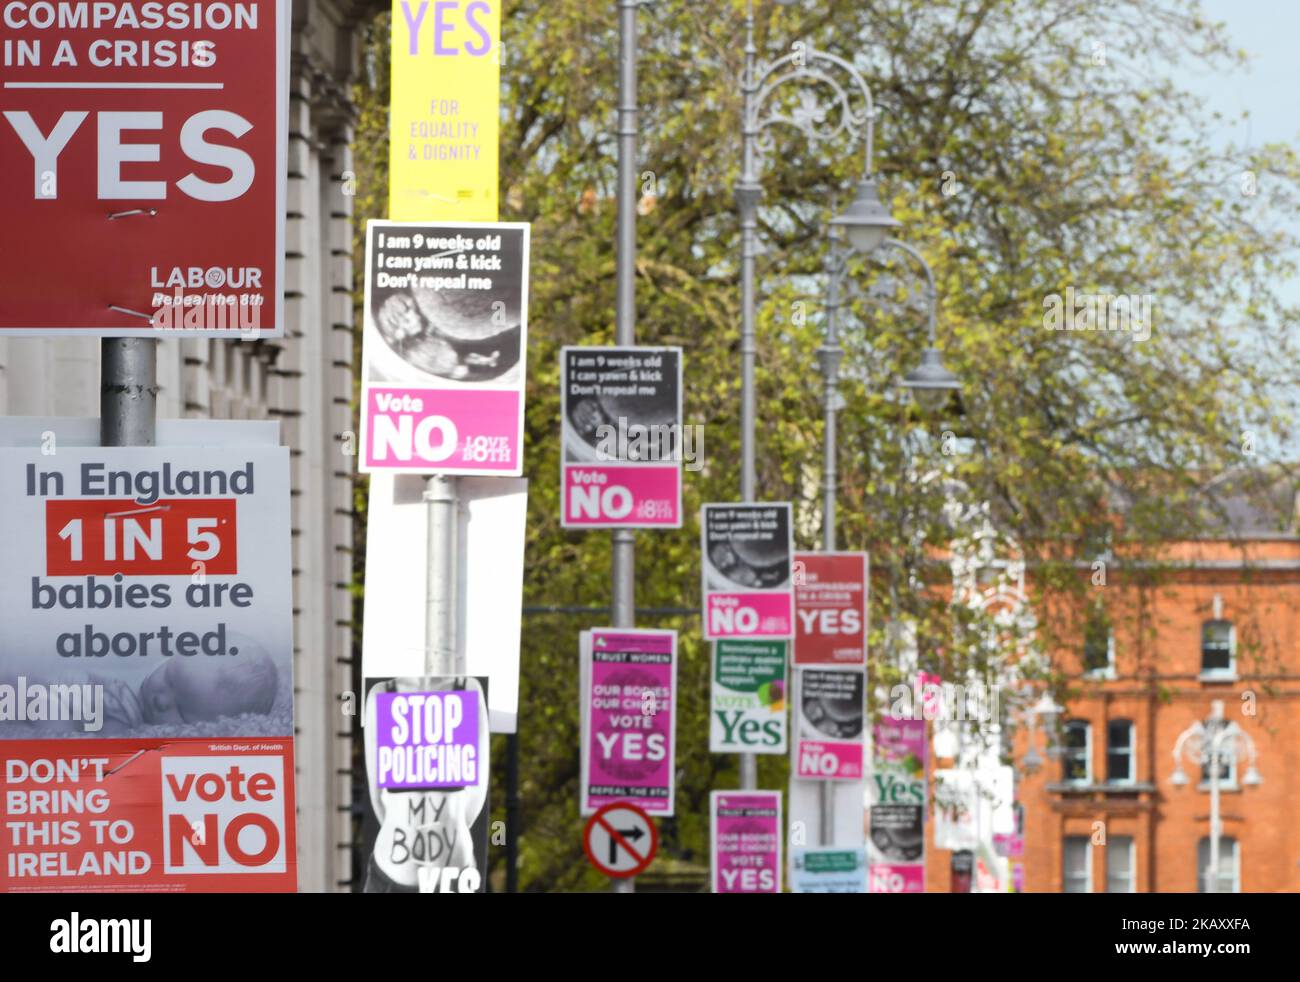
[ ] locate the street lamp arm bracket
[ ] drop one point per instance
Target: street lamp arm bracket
(929, 278)
(813, 68)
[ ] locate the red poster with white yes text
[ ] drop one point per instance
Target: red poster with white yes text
(830, 609)
(144, 149)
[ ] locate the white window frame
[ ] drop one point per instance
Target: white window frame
(1132, 753)
(1066, 751)
(1087, 862)
(1228, 674)
(1230, 850)
(1227, 783)
(1106, 671)
(1117, 842)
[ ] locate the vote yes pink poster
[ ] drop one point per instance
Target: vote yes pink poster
(746, 840)
(628, 681)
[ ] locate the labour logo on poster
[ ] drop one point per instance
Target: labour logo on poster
(144, 146)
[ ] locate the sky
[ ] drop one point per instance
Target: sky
(1268, 88)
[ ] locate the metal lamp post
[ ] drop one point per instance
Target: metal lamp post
(820, 118)
(927, 381)
(865, 223)
(1050, 712)
(1209, 744)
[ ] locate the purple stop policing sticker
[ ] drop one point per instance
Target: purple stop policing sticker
(427, 739)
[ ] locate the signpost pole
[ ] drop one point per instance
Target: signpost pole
(623, 545)
(440, 594)
(128, 392)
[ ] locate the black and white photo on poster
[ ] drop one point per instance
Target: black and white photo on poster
(747, 547)
(148, 589)
(621, 404)
(897, 833)
(426, 840)
(831, 704)
(446, 303)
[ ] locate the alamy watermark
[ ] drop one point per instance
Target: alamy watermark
(1130, 313)
(653, 443)
(38, 702)
(972, 701)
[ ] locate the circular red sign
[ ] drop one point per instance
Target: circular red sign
(620, 840)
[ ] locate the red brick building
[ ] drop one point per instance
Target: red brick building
(1147, 661)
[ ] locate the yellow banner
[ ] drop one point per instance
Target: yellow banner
(443, 119)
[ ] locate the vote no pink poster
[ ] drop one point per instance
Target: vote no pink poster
(444, 344)
(623, 442)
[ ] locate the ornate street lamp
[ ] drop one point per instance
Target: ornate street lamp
(1209, 745)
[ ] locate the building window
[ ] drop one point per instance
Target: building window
(1119, 751)
(1218, 649)
(1078, 864)
(1120, 865)
(1229, 865)
(1098, 645)
(1076, 755)
(1227, 765)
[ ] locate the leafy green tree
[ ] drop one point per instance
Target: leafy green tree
(1028, 147)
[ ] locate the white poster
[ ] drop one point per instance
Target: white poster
(489, 588)
(159, 577)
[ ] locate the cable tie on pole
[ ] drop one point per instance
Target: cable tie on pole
(133, 313)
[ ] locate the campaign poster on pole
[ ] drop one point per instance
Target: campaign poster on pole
(956, 802)
(830, 711)
(146, 625)
(804, 801)
(427, 742)
(746, 840)
(961, 871)
(124, 128)
(622, 436)
(898, 800)
(628, 682)
(748, 698)
(828, 870)
(490, 532)
(830, 607)
(445, 105)
(444, 340)
(747, 552)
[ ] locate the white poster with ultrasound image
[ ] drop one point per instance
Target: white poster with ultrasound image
(157, 576)
(489, 582)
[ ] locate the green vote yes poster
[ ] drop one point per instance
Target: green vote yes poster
(747, 711)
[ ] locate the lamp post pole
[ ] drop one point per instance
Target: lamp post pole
(623, 546)
(1209, 744)
(813, 69)
(623, 541)
(829, 356)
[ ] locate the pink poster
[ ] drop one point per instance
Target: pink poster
(444, 339)
(747, 552)
(896, 847)
(628, 680)
(746, 839)
(829, 725)
(623, 442)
